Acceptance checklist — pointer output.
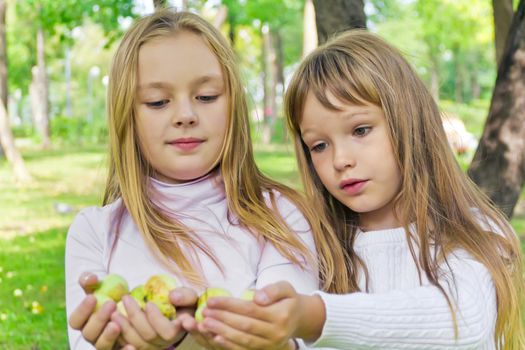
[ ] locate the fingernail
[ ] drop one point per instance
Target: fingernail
(261, 297)
(85, 276)
(176, 296)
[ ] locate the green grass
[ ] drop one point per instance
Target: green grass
(32, 236)
(32, 301)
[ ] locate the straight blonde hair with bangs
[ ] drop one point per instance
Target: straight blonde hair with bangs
(129, 172)
(435, 195)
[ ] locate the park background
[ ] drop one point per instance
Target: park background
(54, 59)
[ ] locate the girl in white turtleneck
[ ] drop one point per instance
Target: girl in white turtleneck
(183, 195)
(432, 264)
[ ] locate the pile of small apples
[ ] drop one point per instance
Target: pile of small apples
(156, 290)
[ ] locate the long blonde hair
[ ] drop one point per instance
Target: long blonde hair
(129, 172)
(435, 194)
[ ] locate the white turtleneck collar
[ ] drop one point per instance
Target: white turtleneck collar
(205, 190)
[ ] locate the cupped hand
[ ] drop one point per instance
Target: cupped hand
(96, 327)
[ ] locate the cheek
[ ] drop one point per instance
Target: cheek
(322, 169)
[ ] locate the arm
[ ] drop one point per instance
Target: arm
(84, 252)
(416, 318)
(243, 324)
(274, 267)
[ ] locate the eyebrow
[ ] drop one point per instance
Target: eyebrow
(196, 82)
(346, 116)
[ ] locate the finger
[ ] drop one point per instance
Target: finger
(236, 306)
(97, 322)
(163, 327)
(129, 347)
(226, 344)
(273, 293)
(138, 320)
(129, 334)
(239, 338)
(204, 338)
(183, 297)
(109, 337)
(247, 325)
(88, 281)
(187, 322)
(83, 311)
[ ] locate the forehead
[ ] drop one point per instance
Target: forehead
(180, 58)
(316, 113)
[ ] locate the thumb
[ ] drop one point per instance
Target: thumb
(183, 296)
(88, 281)
(272, 293)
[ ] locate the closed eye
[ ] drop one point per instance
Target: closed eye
(157, 104)
(207, 99)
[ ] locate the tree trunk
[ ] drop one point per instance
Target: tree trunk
(502, 18)
(434, 82)
(220, 17)
(499, 163)
(279, 77)
(69, 103)
(159, 4)
(270, 81)
(458, 81)
(309, 28)
(6, 136)
(334, 16)
(39, 92)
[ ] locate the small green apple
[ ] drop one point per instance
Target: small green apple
(203, 299)
(139, 294)
(112, 287)
(157, 290)
(122, 309)
(101, 300)
(248, 294)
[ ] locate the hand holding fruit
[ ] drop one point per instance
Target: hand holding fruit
(97, 328)
(276, 315)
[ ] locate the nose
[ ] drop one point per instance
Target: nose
(184, 115)
(343, 158)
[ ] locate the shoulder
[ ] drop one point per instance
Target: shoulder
(93, 221)
(287, 209)
(488, 224)
(277, 200)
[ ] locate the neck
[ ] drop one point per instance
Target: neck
(382, 219)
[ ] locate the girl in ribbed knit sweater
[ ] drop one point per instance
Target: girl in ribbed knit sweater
(432, 264)
(184, 196)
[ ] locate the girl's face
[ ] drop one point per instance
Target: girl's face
(182, 107)
(352, 155)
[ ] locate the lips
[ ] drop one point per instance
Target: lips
(186, 143)
(353, 186)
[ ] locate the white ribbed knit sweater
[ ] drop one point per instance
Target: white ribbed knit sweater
(399, 312)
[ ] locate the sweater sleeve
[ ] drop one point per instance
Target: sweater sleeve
(418, 318)
(274, 267)
(84, 252)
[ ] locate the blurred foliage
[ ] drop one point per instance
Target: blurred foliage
(450, 39)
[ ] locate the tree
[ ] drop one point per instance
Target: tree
(159, 4)
(502, 18)
(55, 19)
(6, 136)
(334, 16)
(498, 166)
(309, 28)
